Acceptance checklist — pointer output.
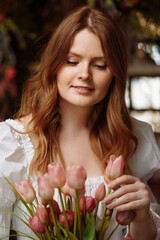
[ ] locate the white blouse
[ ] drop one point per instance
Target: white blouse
(16, 152)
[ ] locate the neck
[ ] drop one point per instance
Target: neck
(74, 118)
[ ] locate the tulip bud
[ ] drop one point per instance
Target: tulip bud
(42, 213)
(115, 167)
(56, 210)
(36, 225)
(71, 191)
(109, 212)
(50, 215)
(43, 201)
(81, 192)
(90, 204)
(125, 217)
(76, 176)
(100, 192)
(25, 190)
(56, 175)
(45, 191)
(66, 190)
(55, 207)
(70, 218)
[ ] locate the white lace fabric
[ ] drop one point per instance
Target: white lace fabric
(16, 152)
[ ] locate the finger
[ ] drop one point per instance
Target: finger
(125, 179)
(134, 205)
(127, 198)
(120, 191)
(106, 179)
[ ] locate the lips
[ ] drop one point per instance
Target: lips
(83, 88)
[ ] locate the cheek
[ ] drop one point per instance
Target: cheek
(105, 85)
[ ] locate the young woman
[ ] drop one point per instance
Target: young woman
(73, 111)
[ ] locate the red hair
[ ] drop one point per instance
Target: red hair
(111, 132)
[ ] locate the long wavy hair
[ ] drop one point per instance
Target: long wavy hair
(111, 132)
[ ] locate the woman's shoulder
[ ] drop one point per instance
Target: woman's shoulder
(15, 144)
(141, 126)
(146, 159)
(144, 133)
(10, 131)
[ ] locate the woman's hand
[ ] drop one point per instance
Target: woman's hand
(130, 194)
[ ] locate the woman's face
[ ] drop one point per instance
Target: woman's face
(84, 78)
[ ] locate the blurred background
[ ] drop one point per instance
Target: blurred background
(25, 27)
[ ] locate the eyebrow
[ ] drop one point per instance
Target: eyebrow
(78, 55)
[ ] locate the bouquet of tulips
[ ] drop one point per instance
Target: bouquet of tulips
(75, 216)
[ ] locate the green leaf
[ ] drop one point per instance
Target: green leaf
(63, 229)
(72, 236)
(63, 237)
(89, 233)
(66, 235)
(87, 217)
(22, 234)
(106, 224)
(104, 228)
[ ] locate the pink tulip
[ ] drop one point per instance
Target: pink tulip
(115, 167)
(42, 213)
(36, 225)
(43, 201)
(109, 212)
(90, 204)
(76, 176)
(81, 192)
(66, 190)
(125, 217)
(50, 215)
(55, 207)
(56, 210)
(45, 190)
(56, 175)
(25, 190)
(100, 192)
(70, 218)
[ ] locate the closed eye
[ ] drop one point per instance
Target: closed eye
(71, 62)
(101, 67)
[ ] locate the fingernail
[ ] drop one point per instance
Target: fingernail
(109, 206)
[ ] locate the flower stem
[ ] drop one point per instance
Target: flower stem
(75, 219)
(84, 209)
(32, 209)
(102, 219)
(78, 214)
(71, 204)
(103, 214)
(63, 209)
(110, 235)
(47, 232)
(97, 205)
(65, 200)
(54, 220)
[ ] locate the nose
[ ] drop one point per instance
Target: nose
(84, 72)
